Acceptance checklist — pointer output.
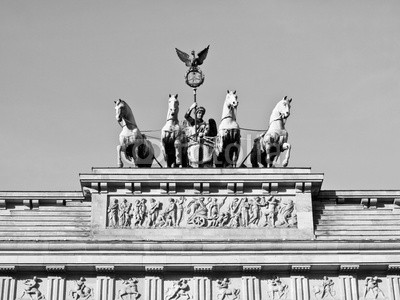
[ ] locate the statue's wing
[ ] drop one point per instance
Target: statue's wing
(202, 55)
(184, 57)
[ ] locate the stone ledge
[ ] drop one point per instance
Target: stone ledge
(267, 246)
(41, 195)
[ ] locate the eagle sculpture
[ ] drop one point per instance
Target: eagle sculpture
(195, 61)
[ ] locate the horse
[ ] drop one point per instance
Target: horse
(134, 150)
(226, 293)
(32, 289)
(276, 289)
(173, 137)
(268, 147)
(81, 292)
(228, 138)
(129, 289)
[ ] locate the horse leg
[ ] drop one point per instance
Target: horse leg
(134, 158)
(178, 153)
(269, 156)
(276, 156)
(119, 161)
(235, 154)
(288, 147)
(255, 156)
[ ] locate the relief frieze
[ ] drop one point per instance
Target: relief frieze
(179, 290)
(324, 290)
(80, 290)
(372, 288)
(129, 290)
(276, 289)
(31, 290)
(201, 212)
(225, 292)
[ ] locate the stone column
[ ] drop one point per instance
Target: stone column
(348, 287)
(300, 288)
(153, 289)
(394, 287)
(55, 288)
(250, 288)
(7, 288)
(105, 288)
(201, 288)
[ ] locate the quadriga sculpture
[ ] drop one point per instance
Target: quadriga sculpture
(227, 144)
(268, 147)
(134, 150)
(173, 137)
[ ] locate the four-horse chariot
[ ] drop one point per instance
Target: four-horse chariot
(203, 145)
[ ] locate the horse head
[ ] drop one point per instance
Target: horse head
(282, 109)
(119, 109)
(173, 107)
(123, 113)
(231, 99)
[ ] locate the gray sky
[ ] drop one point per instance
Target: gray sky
(63, 63)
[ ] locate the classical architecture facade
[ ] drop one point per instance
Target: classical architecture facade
(201, 234)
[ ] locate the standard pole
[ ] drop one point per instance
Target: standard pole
(195, 116)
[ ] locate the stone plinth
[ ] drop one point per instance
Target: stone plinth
(207, 204)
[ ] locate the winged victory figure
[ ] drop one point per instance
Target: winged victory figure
(195, 61)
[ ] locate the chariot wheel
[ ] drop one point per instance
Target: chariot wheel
(199, 221)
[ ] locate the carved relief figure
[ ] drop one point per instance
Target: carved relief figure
(226, 293)
(129, 289)
(234, 212)
(179, 290)
(153, 213)
(270, 212)
(255, 210)
(244, 212)
(140, 210)
(372, 290)
(197, 212)
(80, 290)
(31, 289)
(179, 210)
(112, 212)
(286, 213)
(170, 213)
(124, 209)
(214, 211)
(276, 289)
(325, 290)
(223, 219)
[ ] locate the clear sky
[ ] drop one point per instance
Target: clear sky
(63, 63)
